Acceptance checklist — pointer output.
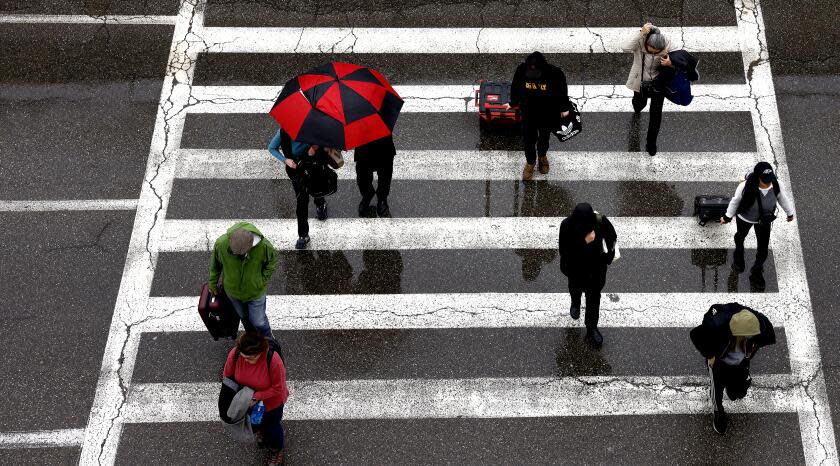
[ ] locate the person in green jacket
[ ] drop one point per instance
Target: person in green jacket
(245, 260)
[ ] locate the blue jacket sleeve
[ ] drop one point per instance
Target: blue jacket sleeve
(274, 145)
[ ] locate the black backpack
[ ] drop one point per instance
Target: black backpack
(316, 177)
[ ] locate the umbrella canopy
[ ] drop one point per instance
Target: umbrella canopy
(338, 105)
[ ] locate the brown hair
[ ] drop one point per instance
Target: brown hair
(251, 343)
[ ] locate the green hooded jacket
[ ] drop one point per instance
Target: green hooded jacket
(244, 279)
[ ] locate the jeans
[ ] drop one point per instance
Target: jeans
(656, 101)
(534, 134)
(364, 178)
(762, 236)
(302, 208)
(272, 428)
(591, 284)
(252, 315)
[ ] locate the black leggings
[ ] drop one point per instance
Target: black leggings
(656, 101)
(302, 208)
(534, 135)
(762, 236)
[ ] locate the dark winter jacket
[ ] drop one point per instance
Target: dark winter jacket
(578, 258)
(543, 97)
(712, 337)
(373, 151)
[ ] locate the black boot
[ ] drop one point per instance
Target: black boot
(594, 337)
(382, 208)
(720, 421)
(757, 279)
(651, 148)
(574, 311)
(738, 261)
(366, 210)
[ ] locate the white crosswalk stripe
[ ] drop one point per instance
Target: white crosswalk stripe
(454, 40)
(482, 397)
(454, 99)
(119, 401)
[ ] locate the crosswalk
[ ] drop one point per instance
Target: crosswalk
(120, 402)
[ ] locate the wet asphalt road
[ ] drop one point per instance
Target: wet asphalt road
(77, 110)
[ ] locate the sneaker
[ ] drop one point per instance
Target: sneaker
(542, 164)
(302, 242)
(651, 148)
(275, 458)
(321, 212)
(258, 436)
(528, 172)
(719, 422)
(594, 337)
(574, 311)
(382, 209)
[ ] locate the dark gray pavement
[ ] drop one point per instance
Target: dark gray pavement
(77, 109)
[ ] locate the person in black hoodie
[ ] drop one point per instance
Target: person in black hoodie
(540, 91)
(587, 247)
(729, 338)
(376, 156)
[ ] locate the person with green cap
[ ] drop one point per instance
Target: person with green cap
(245, 261)
(729, 338)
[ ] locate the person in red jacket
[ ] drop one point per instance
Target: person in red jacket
(251, 363)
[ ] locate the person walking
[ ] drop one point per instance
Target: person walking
(754, 205)
(244, 260)
(729, 338)
(587, 247)
(376, 156)
(291, 154)
(650, 51)
(539, 89)
(252, 363)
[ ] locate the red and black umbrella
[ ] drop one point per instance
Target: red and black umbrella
(338, 105)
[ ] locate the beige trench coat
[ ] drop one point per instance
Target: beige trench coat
(636, 46)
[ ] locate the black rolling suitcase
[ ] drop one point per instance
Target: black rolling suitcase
(218, 314)
(490, 98)
(710, 208)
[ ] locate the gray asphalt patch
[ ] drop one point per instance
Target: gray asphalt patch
(39, 456)
(467, 271)
(681, 132)
(420, 13)
(83, 7)
(61, 273)
(661, 439)
(236, 199)
(446, 354)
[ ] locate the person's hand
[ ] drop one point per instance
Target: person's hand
(723, 221)
(506, 106)
(213, 292)
(590, 237)
(646, 28)
(666, 61)
(711, 361)
(252, 403)
(564, 114)
(790, 218)
(291, 164)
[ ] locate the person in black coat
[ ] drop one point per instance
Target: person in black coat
(540, 91)
(302, 207)
(583, 237)
(729, 338)
(376, 156)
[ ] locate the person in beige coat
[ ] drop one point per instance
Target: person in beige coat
(650, 51)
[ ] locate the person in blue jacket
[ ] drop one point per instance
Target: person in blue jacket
(290, 153)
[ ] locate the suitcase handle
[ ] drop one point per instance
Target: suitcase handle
(476, 97)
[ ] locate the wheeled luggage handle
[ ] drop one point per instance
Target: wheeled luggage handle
(477, 97)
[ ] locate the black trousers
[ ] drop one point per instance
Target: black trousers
(302, 208)
(656, 101)
(384, 167)
(735, 380)
(590, 284)
(535, 138)
(762, 236)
